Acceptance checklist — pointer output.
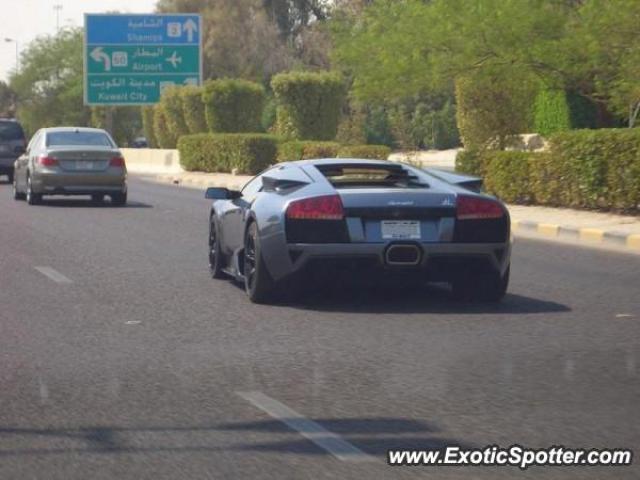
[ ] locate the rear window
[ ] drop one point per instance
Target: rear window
(370, 175)
(94, 139)
(11, 131)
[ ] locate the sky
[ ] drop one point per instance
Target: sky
(24, 20)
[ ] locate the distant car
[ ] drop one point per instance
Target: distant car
(365, 216)
(140, 142)
(71, 161)
(12, 145)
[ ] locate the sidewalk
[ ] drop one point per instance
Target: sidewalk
(575, 226)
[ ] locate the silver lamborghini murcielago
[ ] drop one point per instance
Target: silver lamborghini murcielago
(374, 218)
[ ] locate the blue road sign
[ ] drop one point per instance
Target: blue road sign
(130, 59)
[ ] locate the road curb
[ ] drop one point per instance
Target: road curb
(591, 236)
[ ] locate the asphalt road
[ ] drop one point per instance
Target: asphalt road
(120, 358)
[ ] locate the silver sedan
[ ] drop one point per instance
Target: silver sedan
(71, 161)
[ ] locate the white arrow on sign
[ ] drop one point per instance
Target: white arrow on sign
(99, 56)
(190, 27)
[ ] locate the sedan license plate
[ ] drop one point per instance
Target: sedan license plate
(84, 165)
(401, 230)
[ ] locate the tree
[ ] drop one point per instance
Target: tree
(7, 100)
(49, 86)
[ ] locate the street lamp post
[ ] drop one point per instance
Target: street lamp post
(13, 40)
(58, 9)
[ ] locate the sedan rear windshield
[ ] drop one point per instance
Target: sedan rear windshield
(93, 139)
(11, 131)
(370, 176)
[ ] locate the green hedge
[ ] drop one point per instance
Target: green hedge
(193, 109)
(163, 135)
(301, 150)
(558, 111)
(597, 169)
(147, 126)
(309, 104)
(224, 152)
(174, 114)
(233, 106)
(375, 152)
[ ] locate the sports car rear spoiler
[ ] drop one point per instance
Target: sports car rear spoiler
(465, 181)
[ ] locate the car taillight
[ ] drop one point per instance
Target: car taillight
(476, 208)
(117, 162)
(48, 161)
(317, 208)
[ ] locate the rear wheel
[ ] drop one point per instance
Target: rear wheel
(10, 177)
(16, 194)
(32, 197)
(97, 198)
(481, 287)
(258, 283)
(119, 199)
(215, 259)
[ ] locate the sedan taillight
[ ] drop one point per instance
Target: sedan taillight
(48, 161)
(477, 208)
(117, 162)
(327, 207)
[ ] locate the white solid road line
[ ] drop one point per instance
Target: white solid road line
(53, 275)
(329, 441)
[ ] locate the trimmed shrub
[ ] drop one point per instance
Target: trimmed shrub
(233, 106)
(558, 111)
(248, 153)
(491, 109)
(162, 133)
(174, 114)
(507, 176)
(193, 109)
(596, 169)
(147, 126)
(374, 152)
(309, 104)
(470, 162)
(299, 150)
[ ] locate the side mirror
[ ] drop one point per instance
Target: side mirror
(215, 193)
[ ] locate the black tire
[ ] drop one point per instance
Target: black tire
(97, 198)
(32, 197)
(16, 194)
(119, 199)
(215, 257)
(10, 177)
(258, 284)
(481, 287)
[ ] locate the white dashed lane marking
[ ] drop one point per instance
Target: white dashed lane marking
(329, 441)
(54, 275)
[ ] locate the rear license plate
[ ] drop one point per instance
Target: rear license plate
(84, 165)
(401, 230)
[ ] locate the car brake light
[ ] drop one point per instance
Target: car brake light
(476, 208)
(117, 162)
(316, 208)
(48, 161)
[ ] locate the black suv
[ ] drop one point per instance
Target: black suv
(12, 145)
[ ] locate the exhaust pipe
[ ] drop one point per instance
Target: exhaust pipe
(403, 255)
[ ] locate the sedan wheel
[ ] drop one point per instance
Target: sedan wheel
(32, 197)
(215, 260)
(258, 283)
(16, 194)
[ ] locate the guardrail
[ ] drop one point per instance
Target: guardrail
(152, 161)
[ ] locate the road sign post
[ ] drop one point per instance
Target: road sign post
(131, 59)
